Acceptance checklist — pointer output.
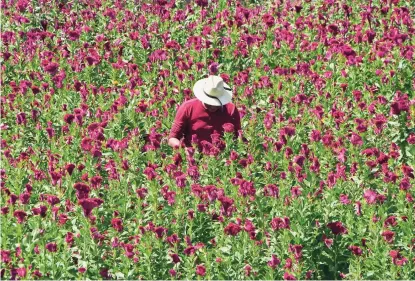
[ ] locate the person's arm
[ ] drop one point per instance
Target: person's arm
(236, 118)
(178, 128)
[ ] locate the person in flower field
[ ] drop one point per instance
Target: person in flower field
(207, 115)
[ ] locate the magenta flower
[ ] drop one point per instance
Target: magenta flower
(356, 250)
(175, 258)
(89, 204)
(288, 276)
(117, 224)
(51, 67)
(296, 250)
(274, 262)
(390, 221)
(397, 258)
(200, 270)
(5, 256)
(337, 228)
(74, 35)
(228, 127)
(41, 211)
(24, 198)
(370, 196)
(20, 215)
(271, 190)
(344, 199)
(280, 223)
(51, 247)
(388, 236)
(82, 190)
(232, 229)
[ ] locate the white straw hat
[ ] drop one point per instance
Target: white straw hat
(213, 91)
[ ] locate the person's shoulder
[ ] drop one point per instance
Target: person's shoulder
(231, 107)
(190, 103)
(189, 106)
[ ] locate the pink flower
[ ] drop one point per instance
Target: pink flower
(41, 211)
(337, 228)
(228, 127)
(21, 271)
(117, 224)
(200, 270)
(356, 250)
(232, 229)
(356, 139)
(51, 247)
(397, 258)
(344, 199)
(89, 204)
(274, 262)
(370, 196)
(5, 256)
(296, 250)
(74, 35)
(271, 190)
(288, 276)
(280, 223)
(390, 221)
(20, 215)
(213, 68)
(175, 258)
(388, 236)
(82, 190)
(172, 272)
(51, 67)
(248, 270)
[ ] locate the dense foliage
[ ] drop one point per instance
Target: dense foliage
(319, 184)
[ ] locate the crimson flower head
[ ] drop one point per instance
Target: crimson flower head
(370, 196)
(160, 231)
(41, 211)
(89, 204)
(175, 258)
(228, 127)
(68, 118)
(274, 262)
(52, 199)
(20, 215)
(280, 223)
(356, 250)
(288, 276)
(388, 236)
(397, 258)
(200, 270)
(5, 256)
(337, 228)
(213, 68)
(117, 224)
(296, 250)
(69, 168)
(232, 229)
(51, 67)
(51, 247)
(74, 35)
(82, 190)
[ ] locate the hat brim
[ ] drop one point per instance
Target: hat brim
(225, 98)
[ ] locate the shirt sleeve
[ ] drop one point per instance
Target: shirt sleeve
(180, 122)
(236, 118)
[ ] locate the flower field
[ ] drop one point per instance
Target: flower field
(318, 185)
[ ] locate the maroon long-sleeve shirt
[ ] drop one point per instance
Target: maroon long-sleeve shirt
(193, 118)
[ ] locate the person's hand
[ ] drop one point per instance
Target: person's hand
(175, 143)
